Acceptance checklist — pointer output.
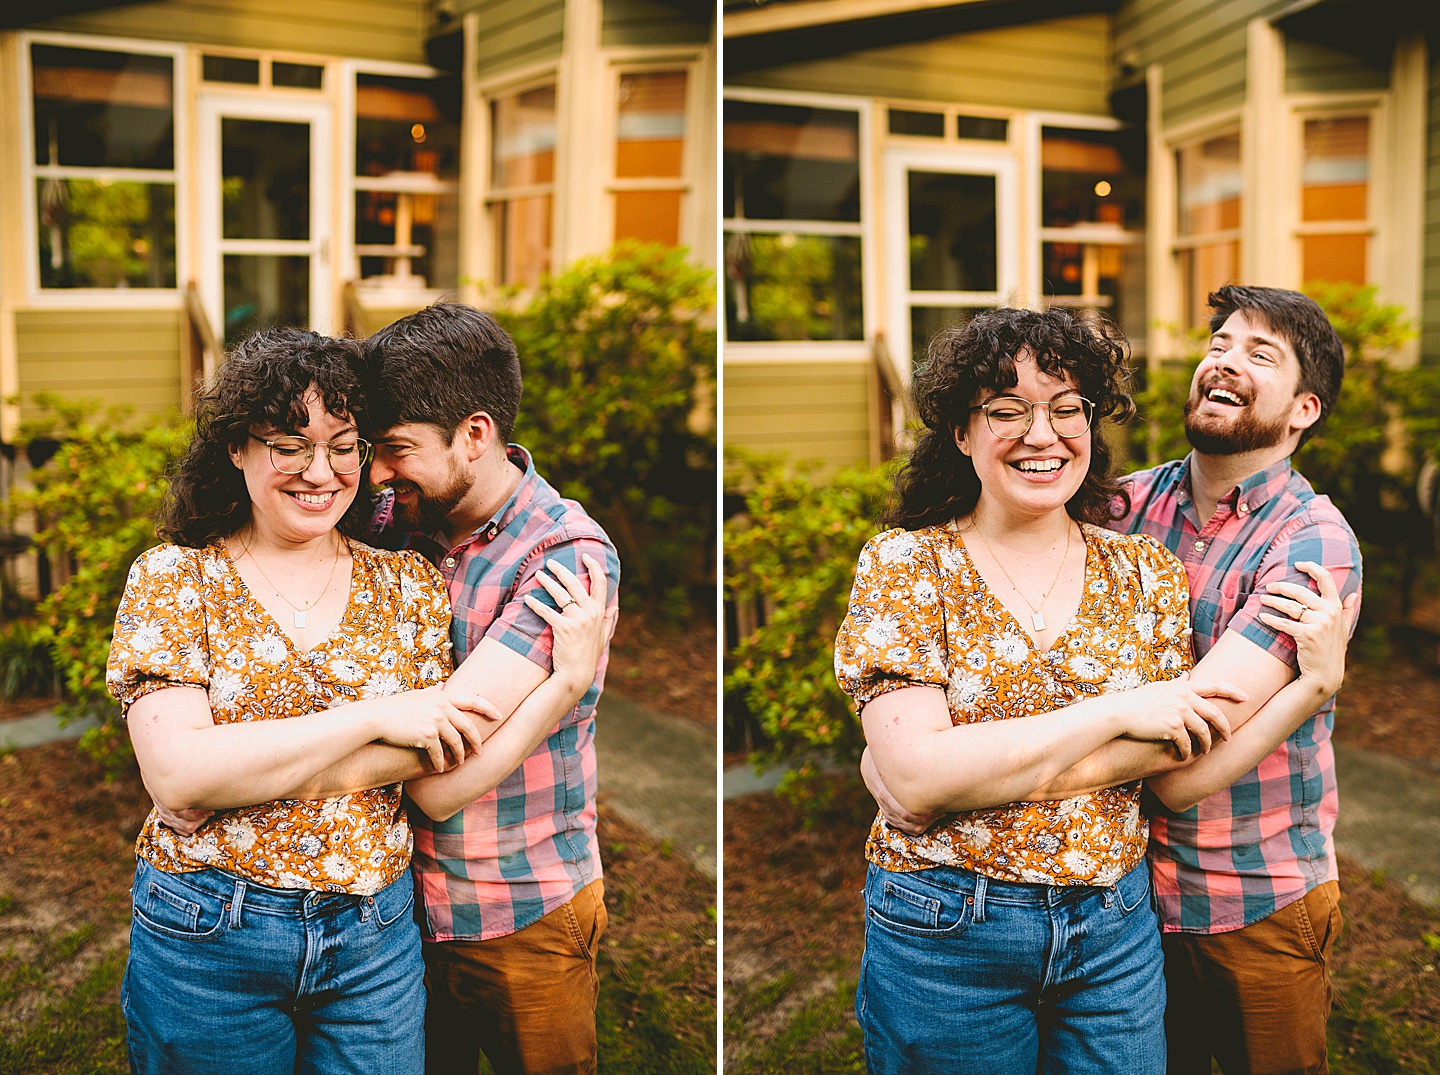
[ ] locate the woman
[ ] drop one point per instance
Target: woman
(998, 637)
(279, 937)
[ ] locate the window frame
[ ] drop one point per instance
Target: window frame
(487, 195)
(348, 72)
(148, 298)
(1166, 231)
(866, 229)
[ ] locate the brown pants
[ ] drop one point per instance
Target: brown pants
(1257, 998)
(526, 1000)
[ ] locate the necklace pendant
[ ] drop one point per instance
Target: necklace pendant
(299, 619)
(1038, 620)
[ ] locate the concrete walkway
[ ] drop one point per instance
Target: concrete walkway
(656, 771)
(1389, 815)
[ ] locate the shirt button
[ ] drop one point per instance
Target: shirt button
(449, 561)
(1244, 508)
(1199, 546)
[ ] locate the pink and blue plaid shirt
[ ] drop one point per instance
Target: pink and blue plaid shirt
(525, 848)
(1265, 841)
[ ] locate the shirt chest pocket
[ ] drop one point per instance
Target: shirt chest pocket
(474, 613)
(1221, 601)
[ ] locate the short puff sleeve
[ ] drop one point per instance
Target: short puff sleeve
(160, 637)
(893, 634)
(425, 602)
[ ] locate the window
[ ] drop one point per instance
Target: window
(522, 183)
(1207, 245)
(791, 203)
(1092, 189)
(407, 164)
(1335, 225)
(649, 188)
(104, 167)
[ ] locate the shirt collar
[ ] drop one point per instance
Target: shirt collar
(523, 494)
(1254, 492)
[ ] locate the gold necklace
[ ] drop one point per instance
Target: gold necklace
(300, 618)
(1035, 615)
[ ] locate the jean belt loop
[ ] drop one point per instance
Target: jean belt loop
(236, 903)
(980, 884)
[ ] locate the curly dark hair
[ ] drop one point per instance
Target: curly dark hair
(938, 482)
(262, 384)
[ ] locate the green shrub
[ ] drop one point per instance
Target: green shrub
(619, 359)
(95, 502)
(26, 669)
(791, 555)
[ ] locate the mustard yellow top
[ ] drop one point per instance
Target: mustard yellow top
(187, 619)
(920, 615)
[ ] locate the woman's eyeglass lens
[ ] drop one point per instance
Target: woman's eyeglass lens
(1010, 417)
(291, 455)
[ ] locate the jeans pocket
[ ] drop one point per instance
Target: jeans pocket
(909, 903)
(169, 907)
(395, 901)
(1133, 890)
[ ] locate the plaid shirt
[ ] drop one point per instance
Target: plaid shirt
(526, 847)
(1262, 843)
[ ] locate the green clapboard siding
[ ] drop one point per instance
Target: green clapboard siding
(515, 33)
(1430, 295)
(650, 22)
(370, 29)
(1060, 64)
(807, 410)
(1312, 68)
(1201, 45)
(125, 357)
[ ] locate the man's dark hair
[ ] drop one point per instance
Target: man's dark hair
(439, 366)
(938, 483)
(262, 385)
(1303, 325)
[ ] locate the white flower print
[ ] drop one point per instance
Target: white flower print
(964, 691)
(337, 867)
(896, 548)
(234, 659)
(225, 691)
(164, 560)
(1145, 625)
(882, 631)
(430, 672)
(1122, 679)
(347, 670)
(976, 659)
(187, 598)
(334, 811)
(368, 882)
(381, 685)
(310, 845)
(269, 648)
(1086, 668)
(146, 637)
(1011, 648)
(975, 833)
(240, 833)
(1078, 862)
(924, 592)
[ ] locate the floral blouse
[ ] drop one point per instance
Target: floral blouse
(921, 615)
(187, 620)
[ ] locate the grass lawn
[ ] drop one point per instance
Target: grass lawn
(794, 931)
(66, 857)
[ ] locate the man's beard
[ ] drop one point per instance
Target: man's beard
(1247, 432)
(430, 511)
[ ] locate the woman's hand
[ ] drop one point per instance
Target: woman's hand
(434, 720)
(1178, 710)
(1319, 623)
(895, 815)
(582, 625)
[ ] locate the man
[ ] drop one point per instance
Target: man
(509, 889)
(1241, 839)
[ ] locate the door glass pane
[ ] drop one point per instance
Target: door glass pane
(649, 216)
(265, 179)
(1092, 177)
(522, 239)
(927, 322)
(1202, 270)
(1336, 172)
(263, 290)
(953, 232)
(1208, 175)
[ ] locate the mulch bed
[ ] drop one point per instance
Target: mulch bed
(670, 667)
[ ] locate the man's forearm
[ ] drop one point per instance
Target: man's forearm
(1117, 762)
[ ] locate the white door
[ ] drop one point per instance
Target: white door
(952, 222)
(264, 200)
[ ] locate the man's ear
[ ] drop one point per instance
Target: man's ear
(1305, 411)
(479, 434)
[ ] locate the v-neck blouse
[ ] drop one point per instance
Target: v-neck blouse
(920, 614)
(187, 619)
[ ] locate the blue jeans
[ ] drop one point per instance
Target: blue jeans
(227, 976)
(963, 973)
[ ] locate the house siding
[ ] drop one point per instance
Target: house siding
(808, 410)
(368, 29)
(1057, 65)
(515, 33)
(1312, 68)
(648, 22)
(1430, 287)
(126, 357)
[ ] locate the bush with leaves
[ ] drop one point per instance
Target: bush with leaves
(618, 354)
(791, 555)
(95, 502)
